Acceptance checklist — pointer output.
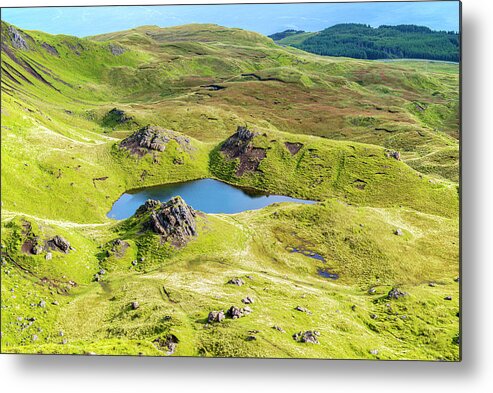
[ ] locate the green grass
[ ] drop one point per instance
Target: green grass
(57, 142)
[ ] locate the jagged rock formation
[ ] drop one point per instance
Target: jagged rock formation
(17, 40)
(151, 138)
(36, 246)
(239, 145)
(173, 220)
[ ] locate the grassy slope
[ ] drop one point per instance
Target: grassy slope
(54, 144)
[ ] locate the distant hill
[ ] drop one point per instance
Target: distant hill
(385, 42)
(285, 33)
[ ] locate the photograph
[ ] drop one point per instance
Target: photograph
(270, 180)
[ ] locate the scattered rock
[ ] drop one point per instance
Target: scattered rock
(251, 338)
(372, 291)
(374, 351)
(448, 297)
(309, 336)
(303, 309)
(135, 305)
(278, 328)
(393, 154)
(173, 220)
(398, 232)
(42, 304)
(353, 307)
(247, 300)
(215, 316)
(35, 337)
(373, 316)
(236, 281)
(432, 284)
(395, 293)
(55, 303)
(49, 256)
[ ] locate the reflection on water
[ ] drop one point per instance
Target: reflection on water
(207, 195)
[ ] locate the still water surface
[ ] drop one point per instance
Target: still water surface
(207, 195)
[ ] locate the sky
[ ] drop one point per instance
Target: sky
(262, 18)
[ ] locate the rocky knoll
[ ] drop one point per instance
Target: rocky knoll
(240, 145)
(173, 220)
(150, 138)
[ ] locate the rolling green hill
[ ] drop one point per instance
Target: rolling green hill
(385, 42)
(376, 144)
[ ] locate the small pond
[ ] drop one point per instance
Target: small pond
(207, 195)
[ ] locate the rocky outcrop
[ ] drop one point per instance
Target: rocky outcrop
(151, 138)
(173, 220)
(17, 39)
(58, 243)
(395, 293)
(240, 146)
(117, 50)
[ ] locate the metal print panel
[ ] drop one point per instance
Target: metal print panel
(261, 180)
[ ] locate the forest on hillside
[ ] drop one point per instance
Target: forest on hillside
(385, 42)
